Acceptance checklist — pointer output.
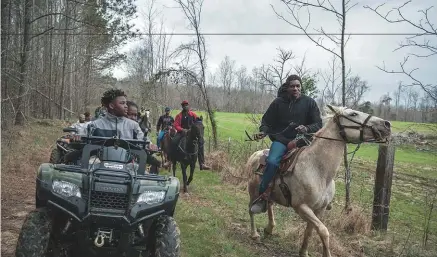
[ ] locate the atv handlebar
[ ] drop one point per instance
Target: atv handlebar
(135, 143)
(70, 130)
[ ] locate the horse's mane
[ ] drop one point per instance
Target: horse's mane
(329, 114)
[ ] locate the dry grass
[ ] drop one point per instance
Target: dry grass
(230, 174)
(23, 150)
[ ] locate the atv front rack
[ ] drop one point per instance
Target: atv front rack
(78, 169)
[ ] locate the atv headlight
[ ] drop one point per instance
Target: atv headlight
(66, 188)
(151, 197)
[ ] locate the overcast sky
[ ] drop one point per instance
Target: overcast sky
(363, 52)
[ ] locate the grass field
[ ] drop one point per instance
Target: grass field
(214, 220)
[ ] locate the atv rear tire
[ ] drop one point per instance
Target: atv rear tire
(167, 237)
(55, 156)
(34, 235)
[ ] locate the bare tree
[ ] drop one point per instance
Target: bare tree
(337, 45)
(331, 79)
(422, 45)
(226, 77)
(44, 74)
(274, 75)
(193, 71)
(397, 95)
(355, 90)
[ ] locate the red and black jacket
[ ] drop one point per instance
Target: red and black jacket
(184, 120)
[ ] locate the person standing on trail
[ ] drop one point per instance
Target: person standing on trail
(164, 122)
(182, 124)
(289, 114)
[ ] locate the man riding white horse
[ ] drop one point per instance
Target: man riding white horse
(289, 114)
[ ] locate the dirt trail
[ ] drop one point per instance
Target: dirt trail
(26, 150)
(17, 201)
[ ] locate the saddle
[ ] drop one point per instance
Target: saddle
(288, 160)
(170, 131)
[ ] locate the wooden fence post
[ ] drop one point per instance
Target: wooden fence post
(382, 190)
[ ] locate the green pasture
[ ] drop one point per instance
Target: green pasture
(232, 126)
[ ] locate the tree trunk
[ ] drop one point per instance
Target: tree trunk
(64, 64)
(19, 117)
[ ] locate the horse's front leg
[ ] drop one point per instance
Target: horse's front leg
(253, 194)
(174, 168)
(269, 229)
(184, 176)
(192, 167)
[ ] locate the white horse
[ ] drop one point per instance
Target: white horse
(311, 182)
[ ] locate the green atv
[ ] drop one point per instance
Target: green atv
(105, 206)
(64, 147)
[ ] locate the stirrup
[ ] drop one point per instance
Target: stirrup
(264, 198)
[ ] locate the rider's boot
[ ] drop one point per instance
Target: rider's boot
(260, 204)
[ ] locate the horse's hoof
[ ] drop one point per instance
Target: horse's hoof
(256, 237)
(267, 232)
(303, 254)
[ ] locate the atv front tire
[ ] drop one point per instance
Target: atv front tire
(55, 156)
(167, 238)
(34, 237)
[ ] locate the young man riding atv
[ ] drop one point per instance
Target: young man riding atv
(81, 125)
(290, 106)
(182, 124)
(132, 113)
(115, 122)
(106, 206)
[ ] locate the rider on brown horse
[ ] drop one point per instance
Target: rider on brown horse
(289, 114)
(163, 125)
(182, 124)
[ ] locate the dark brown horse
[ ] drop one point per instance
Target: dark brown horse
(185, 152)
(166, 147)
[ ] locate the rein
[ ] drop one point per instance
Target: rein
(195, 143)
(360, 127)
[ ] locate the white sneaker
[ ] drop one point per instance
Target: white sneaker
(259, 206)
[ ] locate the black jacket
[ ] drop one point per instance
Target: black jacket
(284, 110)
(163, 122)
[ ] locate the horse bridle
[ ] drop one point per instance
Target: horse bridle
(195, 141)
(361, 126)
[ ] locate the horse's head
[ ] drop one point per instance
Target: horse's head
(197, 129)
(358, 127)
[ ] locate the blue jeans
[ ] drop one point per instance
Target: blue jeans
(277, 150)
(160, 137)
